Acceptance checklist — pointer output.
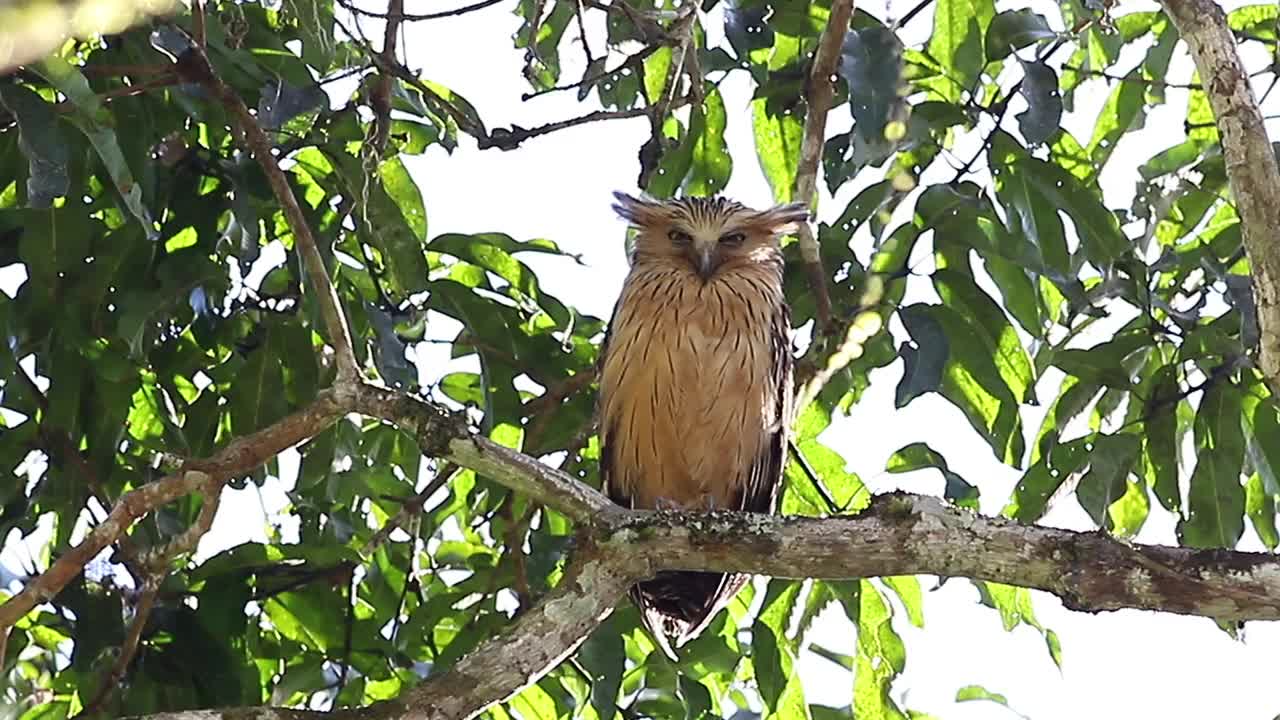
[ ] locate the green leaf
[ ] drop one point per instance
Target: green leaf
(257, 397)
(1043, 115)
(963, 295)
(41, 142)
(880, 659)
(777, 139)
(973, 383)
(711, 164)
(918, 456)
(970, 693)
(1038, 484)
(1216, 502)
(1260, 506)
(871, 65)
(907, 588)
(1123, 112)
(95, 122)
(772, 658)
(1262, 422)
(388, 214)
(1015, 29)
(1014, 606)
(1110, 461)
(956, 42)
(1161, 446)
(54, 242)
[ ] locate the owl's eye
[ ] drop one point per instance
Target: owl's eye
(679, 237)
(732, 239)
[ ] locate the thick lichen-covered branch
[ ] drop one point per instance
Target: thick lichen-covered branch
(1251, 162)
(898, 534)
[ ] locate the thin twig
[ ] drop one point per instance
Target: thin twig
(112, 679)
(381, 100)
(833, 507)
(582, 32)
(631, 60)
(410, 508)
(819, 93)
(393, 14)
(505, 139)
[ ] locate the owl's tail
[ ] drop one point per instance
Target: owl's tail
(676, 605)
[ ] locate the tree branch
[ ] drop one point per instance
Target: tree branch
(381, 99)
(898, 534)
(819, 92)
(398, 14)
(538, 641)
(237, 458)
(1251, 162)
(194, 66)
(441, 433)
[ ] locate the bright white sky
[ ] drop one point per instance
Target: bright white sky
(1118, 664)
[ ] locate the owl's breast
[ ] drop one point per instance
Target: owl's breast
(685, 390)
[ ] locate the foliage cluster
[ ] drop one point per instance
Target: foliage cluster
(149, 326)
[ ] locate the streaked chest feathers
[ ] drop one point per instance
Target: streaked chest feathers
(690, 367)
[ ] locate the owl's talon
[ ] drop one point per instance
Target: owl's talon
(664, 504)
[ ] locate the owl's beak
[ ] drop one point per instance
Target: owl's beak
(705, 261)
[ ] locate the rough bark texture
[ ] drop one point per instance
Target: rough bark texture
(1250, 160)
(899, 534)
(537, 641)
(818, 95)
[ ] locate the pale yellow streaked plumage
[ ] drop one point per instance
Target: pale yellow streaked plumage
(695, 384)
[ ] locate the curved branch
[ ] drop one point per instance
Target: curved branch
(1251, 162)
(194, 66)
(443, 434)
(538, 641)
(239, 457)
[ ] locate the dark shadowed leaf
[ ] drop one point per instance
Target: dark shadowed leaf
(925, 360)
(745, 26)
(95, 123)
(1043, 115)
(871, 65)
(41, 142)
(918, 456)
(1111, 460)
(1215, 503)
(1015, 29)
(1161, 438)
(279, 102)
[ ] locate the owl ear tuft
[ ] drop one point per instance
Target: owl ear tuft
(639, 211)
(782, 219)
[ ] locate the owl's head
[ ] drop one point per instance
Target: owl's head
(707, 233)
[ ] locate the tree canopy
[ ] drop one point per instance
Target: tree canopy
(216, 255)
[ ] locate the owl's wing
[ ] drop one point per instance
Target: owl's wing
(608, 426)
(764, 478)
